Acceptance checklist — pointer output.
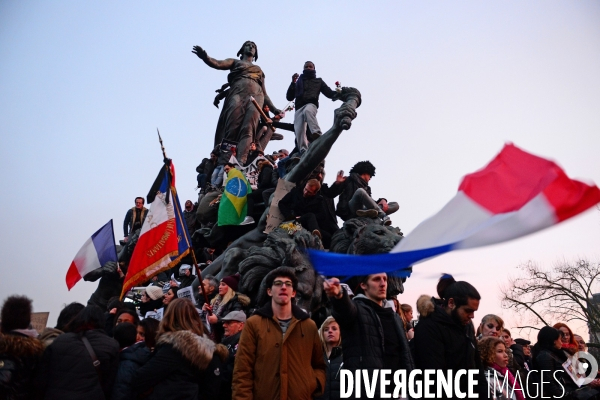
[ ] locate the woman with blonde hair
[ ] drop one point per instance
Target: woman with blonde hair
(329, 332)
(226, 301)
(491, 325)
(185, 361)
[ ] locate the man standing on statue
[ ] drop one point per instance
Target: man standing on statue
(305, 89)
(134, 219)
(239, 117)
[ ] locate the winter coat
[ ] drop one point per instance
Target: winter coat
(264, 176)
(48, 335)
(332, 380)
(350, 185)
(239, 302)
(231, 343)
(206, 167)
(552, 360)
(130, 360)
(363, 335)
(497, 387)
(67, 370)
(19, 358)
(272, 366)
(184, 366)
(294, 204)
(312, 88)
(442, 343)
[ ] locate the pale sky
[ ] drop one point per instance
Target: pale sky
(84, 85)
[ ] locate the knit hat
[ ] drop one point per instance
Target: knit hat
(232, 281)
(154, 292)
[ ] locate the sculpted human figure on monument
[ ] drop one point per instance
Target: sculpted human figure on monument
(239, 117)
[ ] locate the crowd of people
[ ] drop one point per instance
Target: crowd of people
(225, 350)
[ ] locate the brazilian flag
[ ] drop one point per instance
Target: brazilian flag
(233, 206)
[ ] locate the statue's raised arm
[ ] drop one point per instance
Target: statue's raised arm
(239, 117)
(211, 62)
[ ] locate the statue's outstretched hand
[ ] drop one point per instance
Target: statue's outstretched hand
(343, 116)
(200, 52)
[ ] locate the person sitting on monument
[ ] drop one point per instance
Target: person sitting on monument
(224, 155)
(205, 170)
(356, 200)
(306, 205)
(264, 182)
(305, 89)
(134, 219)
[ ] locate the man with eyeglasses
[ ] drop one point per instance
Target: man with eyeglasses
(279, 354)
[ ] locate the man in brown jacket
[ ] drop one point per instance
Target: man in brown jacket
(279, 354)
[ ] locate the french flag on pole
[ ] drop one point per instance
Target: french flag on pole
(95, 252)
(516, 194)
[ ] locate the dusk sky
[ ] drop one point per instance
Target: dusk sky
(84, 85)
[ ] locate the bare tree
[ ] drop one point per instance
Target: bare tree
(563, 293)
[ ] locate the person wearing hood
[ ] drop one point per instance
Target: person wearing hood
(20, 350)
(373, 336)
(445, 336)
(305, 90)
(279, 355)
(186, 363)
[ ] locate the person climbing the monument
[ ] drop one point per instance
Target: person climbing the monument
(134, 219)
(239, 117)
(305, 89)
(355, 199)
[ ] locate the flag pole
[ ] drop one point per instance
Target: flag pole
(198, 272)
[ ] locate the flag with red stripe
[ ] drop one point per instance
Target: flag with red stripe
(95, 252)
(164, 238)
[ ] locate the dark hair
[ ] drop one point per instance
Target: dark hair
(113, 302)
(150, 326)
(230, 165)
(16, 313)
(143, 201)
(461, 291)
(125, 334)
(286, 272)
(136, 319)
(67, 314)
(241, 50)
(309, 62)
(363, 167)
(547, 336)
(91, 317)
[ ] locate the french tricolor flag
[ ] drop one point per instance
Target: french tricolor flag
(516, 194)
(96, 251)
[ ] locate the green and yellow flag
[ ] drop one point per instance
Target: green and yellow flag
(233, 206)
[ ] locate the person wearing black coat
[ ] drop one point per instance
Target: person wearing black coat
(373, 336)
(329, 333)
(548, 356)
(205, 170)
(111, 282)
(264, 182)
(131, 359)
(305, 90)
(186, 364)
(67, 370)
(306, 205)
(445, 337)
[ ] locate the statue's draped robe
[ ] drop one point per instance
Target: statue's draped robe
(239, 117)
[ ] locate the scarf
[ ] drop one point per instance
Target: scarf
(306, 74)
(569, 348)
(511, 380)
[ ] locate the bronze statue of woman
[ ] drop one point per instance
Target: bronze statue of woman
(239, 117)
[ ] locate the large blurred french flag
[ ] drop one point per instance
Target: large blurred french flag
(95, 252)
(516, 194)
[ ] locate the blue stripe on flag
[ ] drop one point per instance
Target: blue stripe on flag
(397, 264)
(104, 242)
